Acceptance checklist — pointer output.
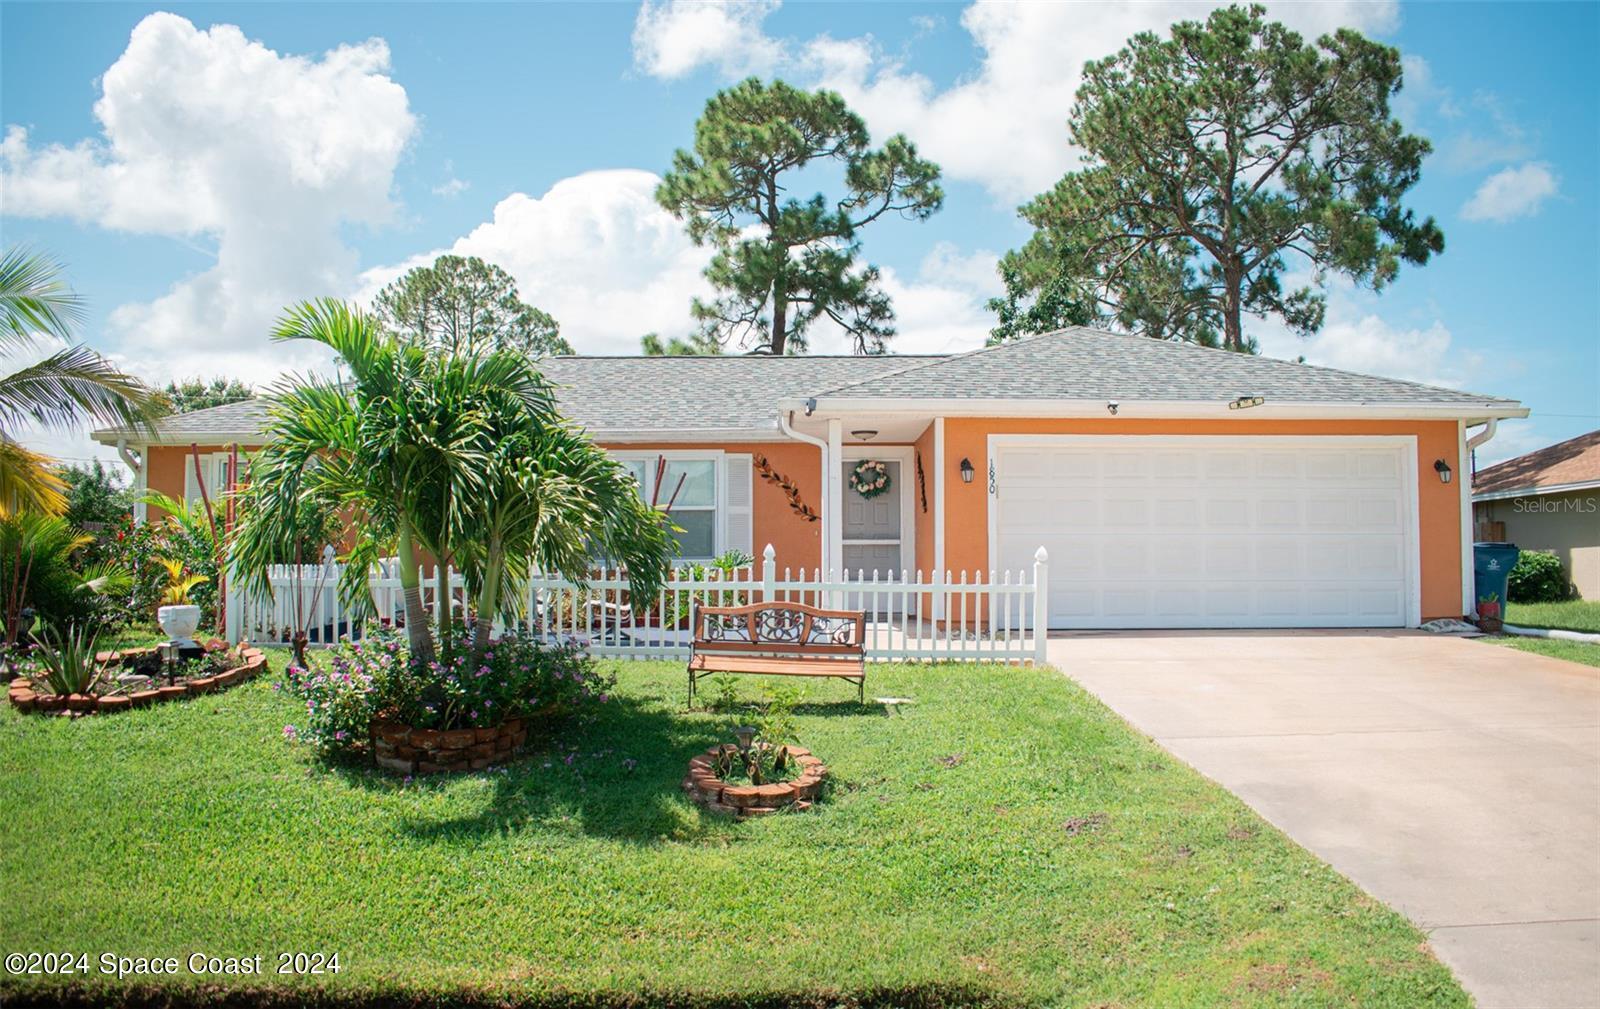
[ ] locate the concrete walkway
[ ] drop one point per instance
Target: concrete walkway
(1455, 780)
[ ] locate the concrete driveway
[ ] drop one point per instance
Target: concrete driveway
(1455, 780)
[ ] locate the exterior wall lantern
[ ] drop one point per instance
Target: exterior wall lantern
(1443, 469)
(967, 471)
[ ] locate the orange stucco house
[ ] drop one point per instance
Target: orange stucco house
(1172, 485)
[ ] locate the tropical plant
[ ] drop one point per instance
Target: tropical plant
(767, 759)
(38, 554)
(67, 660)
(179, 582)
(461, 455)
(781, 264)
(1216, 162)
(192, 536)
(463, 305)
(61, 389)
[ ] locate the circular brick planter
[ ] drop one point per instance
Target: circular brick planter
(25, 699)
(405, 750)
(741, 801)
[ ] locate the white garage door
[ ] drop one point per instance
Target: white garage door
(1202, 531)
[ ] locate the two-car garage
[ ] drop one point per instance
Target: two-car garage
(1212, 531)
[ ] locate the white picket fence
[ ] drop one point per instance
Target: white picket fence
(949, 616)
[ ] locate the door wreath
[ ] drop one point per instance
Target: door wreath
(870, 478)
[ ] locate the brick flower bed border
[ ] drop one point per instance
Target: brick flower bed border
(710, 791)
(405, 750)
(25, 699)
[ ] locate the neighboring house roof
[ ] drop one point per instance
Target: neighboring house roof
(1573, 464)
(734, 396)
(1090, 364)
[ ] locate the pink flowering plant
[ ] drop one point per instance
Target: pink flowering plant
(519, 676)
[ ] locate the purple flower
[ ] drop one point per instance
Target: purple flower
(602, 698)
(290, 733)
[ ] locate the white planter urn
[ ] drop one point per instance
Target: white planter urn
(179, 622)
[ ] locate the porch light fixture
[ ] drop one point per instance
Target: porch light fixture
(967, 471)
(1443, 469)
(1246, 402)
(1111, 407)
(865, 434)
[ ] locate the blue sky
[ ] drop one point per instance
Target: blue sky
(200, 166)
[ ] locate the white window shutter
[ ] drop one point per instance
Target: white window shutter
(737, 523)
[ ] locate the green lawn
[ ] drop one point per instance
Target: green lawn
(1006, 841)
(1572, 651)
(1572, 615)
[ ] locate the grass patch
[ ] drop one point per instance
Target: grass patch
(1572, 651)
(1005, 841)
(1571, 615)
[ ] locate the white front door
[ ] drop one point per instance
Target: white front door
(1233, 531)
(873, 535)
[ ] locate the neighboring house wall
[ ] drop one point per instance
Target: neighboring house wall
(1439, 505)
(1566, 524)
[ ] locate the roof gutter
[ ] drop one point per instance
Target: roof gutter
(1471, 412)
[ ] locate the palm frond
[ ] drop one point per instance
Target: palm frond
(29, 482)
(34, 300)
(76, 383)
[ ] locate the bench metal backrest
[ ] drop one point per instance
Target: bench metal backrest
(781, 628)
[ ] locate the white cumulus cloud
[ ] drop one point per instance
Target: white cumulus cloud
(676, 37)
(209, 134)
(595, 251)
(1512, 193)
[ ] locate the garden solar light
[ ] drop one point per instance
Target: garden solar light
(746, 735)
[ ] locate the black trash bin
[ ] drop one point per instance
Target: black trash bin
(1491, 566)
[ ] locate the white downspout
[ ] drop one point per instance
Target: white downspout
(1469, 601)
(1489, 427)
(822, 446)
(135, 462)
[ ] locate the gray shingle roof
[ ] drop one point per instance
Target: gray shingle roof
(667, 394)
(679, 395)
(1092, 364)
(686, 393)
(232, 419)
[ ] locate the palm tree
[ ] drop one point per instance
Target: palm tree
(463, 456)
(60, 391)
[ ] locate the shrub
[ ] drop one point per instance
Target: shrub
(1537, 578)
(520, 677)
(39, 555)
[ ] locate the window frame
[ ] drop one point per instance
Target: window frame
(719, 492)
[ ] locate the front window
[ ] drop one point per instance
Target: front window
(688, 486)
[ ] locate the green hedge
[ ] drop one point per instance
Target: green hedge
(1537, 578)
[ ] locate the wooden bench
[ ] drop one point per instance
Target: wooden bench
(779, 639)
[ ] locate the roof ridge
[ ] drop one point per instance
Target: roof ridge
(736, 357)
